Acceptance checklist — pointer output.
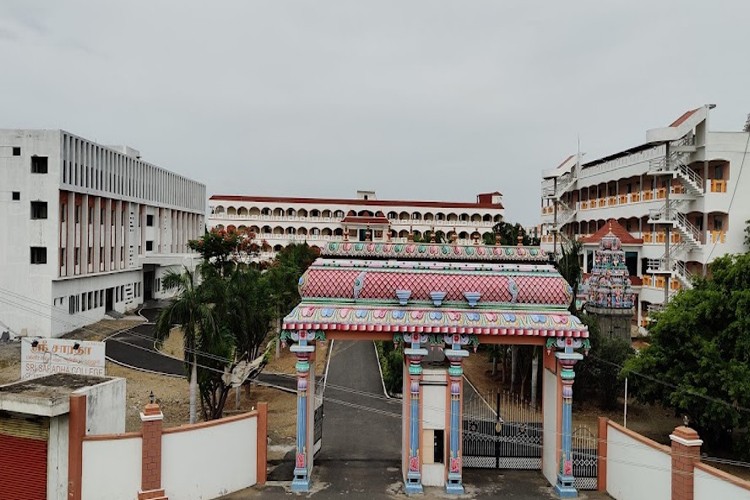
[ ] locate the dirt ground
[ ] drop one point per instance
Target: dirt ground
(172, 392)
(652, 421)
(282, 406)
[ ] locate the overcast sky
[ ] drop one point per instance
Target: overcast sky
(435, 100)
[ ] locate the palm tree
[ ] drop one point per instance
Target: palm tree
(195, 315)
(569, 266)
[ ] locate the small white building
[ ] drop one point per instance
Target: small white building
(280, 221)
(86, 229)
(676, 201)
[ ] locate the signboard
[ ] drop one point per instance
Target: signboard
(50, 356)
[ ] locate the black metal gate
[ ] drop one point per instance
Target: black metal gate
(508, 436)
(585, 460)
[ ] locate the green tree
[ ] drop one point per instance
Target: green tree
(225, 249)
(193, 311)
(248, 310)
(569, 266)
(508, 235)
(598, 374)
(698, 360)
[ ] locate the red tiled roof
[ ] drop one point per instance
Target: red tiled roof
(683, 117)
(345, 201)
(612, 225)
(363, 219)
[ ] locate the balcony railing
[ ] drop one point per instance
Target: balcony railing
(285, 218)
(717, 186)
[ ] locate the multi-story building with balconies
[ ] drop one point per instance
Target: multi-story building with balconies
(280, 221)
(88, 229)
(676, 201)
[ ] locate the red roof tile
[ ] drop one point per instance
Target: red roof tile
(685, 116)
(612, 225)
(350, 201)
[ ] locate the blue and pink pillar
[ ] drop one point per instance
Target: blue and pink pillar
(565, 481)
(413, 356)
(305, 396)
(455, 355)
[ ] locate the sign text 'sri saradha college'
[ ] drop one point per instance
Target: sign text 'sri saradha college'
(50, 356)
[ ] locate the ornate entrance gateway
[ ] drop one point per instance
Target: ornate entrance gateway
(450, 298)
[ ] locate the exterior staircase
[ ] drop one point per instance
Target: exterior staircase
(670, 214)
(676, 164)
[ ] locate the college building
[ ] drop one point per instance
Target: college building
(280, 221)
(87, 230)
(670, 200)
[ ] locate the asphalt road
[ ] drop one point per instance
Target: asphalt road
(360, 423)
(135, 348)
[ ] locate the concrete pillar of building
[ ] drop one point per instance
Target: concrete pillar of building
(70, 236)
(84, 234)
(118, 228)
(686, 452)
(108, 234)
(151, 425)
(143, 229)
(96, 239)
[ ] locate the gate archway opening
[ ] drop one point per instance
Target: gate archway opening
(439, 295)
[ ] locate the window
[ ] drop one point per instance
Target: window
(718, 224)
(149, 246)
(38, 209)
(149, 220)
(38, 255)
(719, 172)
(76, 256)
(71, 305)
(38, 164)
(16, 196)
(16, 151)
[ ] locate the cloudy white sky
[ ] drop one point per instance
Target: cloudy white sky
(415, 99)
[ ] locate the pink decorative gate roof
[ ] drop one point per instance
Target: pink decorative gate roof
(493, 291)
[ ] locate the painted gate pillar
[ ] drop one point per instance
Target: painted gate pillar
(413, 356)
(303, 462)
(567, 358)
(455, 373)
